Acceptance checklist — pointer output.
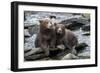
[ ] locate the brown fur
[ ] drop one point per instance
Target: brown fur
(46, 37)
(66, 37)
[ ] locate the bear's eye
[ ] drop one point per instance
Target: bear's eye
(51, 23)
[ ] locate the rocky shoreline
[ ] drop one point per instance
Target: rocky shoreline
(79, 24)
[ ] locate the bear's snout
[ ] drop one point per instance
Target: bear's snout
(49, 25)
(59, 31)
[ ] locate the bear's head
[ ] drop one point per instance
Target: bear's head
(46, 24)
(60, 29)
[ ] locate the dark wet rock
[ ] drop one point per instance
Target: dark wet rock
(74, 25)
(78, 20)
(52, 16)
(54, 54)
(86, 28)
(81, 47)
(27, 50)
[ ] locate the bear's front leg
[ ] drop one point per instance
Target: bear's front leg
(74, 50)
(52, 44)
(45, 48)
(71, 48)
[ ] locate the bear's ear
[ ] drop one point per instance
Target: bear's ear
(40, 21)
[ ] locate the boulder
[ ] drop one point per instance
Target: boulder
(86, 28)
(69, 56)
(78, 20)
(75, 22)
(74, 25)
(81, 46)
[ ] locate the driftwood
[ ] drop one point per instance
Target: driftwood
(81, 47)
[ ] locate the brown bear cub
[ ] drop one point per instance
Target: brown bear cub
(46, 37)
(66, 37)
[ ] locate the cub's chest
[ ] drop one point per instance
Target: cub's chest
(47, 35)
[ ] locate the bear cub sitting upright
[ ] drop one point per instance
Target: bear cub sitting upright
(66, 37)
(46, 37)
